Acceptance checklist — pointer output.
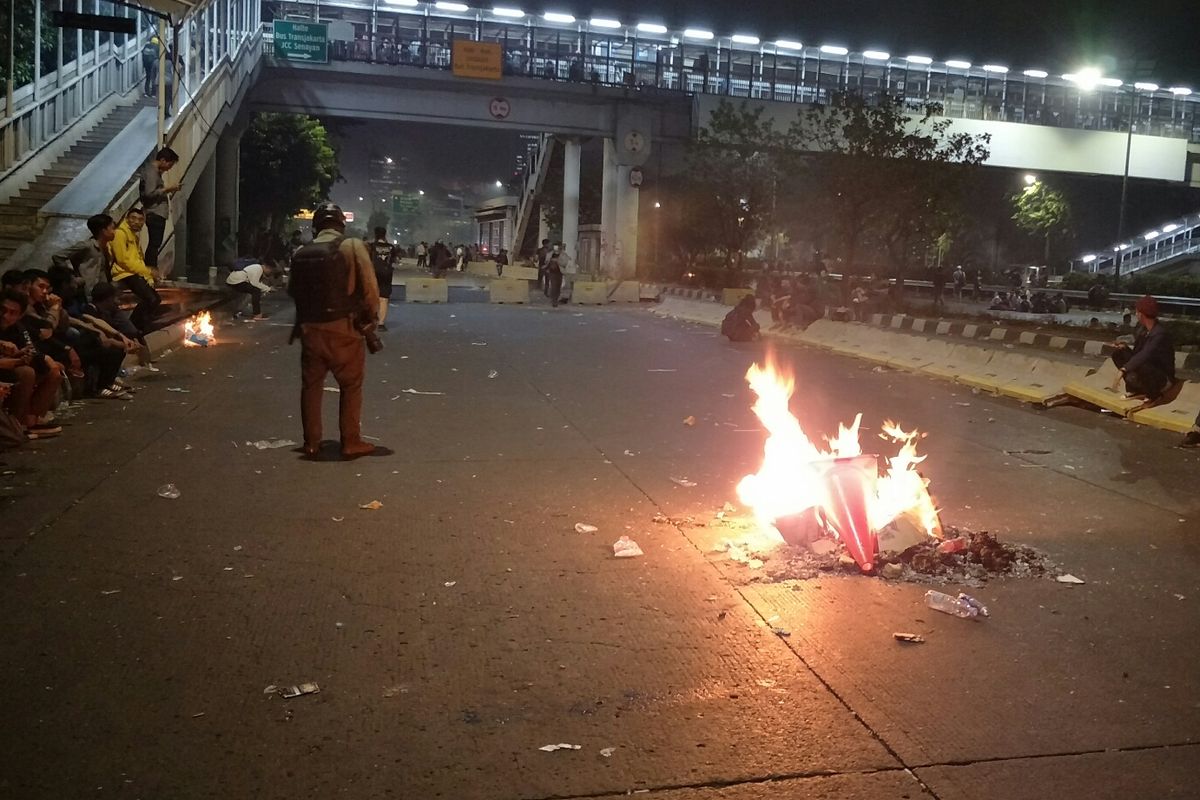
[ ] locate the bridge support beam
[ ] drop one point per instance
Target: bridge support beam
(608, 210)
(572, 150)
(618, 219)
(201, 224)
(227, 173)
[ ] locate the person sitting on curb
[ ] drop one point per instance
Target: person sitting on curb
(739, 324)
(34, 377)
(1192, 437)
(1148, 369)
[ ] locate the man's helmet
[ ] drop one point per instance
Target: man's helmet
(328, 215)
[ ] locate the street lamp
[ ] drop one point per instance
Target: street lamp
(1030, 180)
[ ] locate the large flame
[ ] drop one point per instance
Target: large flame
(795, 473)
(198, 331)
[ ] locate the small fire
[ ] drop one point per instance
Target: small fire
(198, 331)
(853, 494)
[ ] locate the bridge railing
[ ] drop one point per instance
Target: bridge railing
(423, 37)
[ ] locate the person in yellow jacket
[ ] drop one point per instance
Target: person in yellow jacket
(129, 270)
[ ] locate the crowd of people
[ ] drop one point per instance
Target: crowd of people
(1028, 302)
(63, 332)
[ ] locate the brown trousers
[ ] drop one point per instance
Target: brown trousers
(338, 348)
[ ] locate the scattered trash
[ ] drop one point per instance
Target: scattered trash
(1069, 578)
(288, 692)
(909, 637)
(198, 716)
(684, 482)
(337, 519)
(964, 405)
(721, 615)
(374, 505)
(417, 391)
(1028, 452)
(583, 527)
(728, 508)
(626, 548)
(781, 631)
(892, 571)
(963, 606)
(110, 591)
(607, 751)
(492, 373)
(176, 577)
(660, 370)
(448, 584)
(178, 389)
(169, 491)
(272, 689)
(272, 444)
(879, 369)
(822, 546)
(956, 545)
(630, 453)
(550, 748)
(333, 389)
(478, 344)
(689, 421)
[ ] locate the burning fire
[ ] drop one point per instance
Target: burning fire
(852, 496)
(198, 331)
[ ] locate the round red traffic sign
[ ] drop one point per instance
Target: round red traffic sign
(499, 108)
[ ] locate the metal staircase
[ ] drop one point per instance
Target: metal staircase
(532, 183)
(1170, 243)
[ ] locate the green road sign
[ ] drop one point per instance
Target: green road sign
(302, 41)
(405, 204)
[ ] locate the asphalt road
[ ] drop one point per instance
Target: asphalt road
(465, 624)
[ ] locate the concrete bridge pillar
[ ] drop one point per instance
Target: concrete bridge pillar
(608, 209)
(201, 224)
(228, 158)
(618, 218)
(572, 150)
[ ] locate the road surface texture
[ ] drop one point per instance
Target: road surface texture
(465, 624)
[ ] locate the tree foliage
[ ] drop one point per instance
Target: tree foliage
(887, 173)
(288, 164)
(735, 163)
(1040, 210)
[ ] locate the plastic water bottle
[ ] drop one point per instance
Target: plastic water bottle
(947, 604)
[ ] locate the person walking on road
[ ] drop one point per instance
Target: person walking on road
(337, 298)
(383, 258)
(155, 195)
(554, 276)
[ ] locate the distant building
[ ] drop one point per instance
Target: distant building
(494, 223)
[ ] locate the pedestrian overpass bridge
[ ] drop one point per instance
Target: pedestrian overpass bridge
(637, 85)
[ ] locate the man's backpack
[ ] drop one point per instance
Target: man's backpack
(149, 52)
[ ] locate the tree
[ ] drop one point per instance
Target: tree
(288, 163)
(886, 173)
(1041, 210)
(735, 163)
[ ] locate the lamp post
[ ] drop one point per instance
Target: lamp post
(1133, 108)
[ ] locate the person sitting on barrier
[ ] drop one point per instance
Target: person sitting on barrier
(1059, 304)
(859, 301)
(34, 377)
(739, 324)
(1097, 296)
(1000, 302)
(1148, 368)
(130, 272)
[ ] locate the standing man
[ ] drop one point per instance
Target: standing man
(383, 257)
(542, 254)
(422, 255)
(960, 281)
(333, 284)
(155, 197)
(88, 258)
(939, 288)
(150, 65)
(130, 272)
(554, 277)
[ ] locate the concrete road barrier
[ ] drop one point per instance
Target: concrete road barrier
(1048, 379)
(624, 292)
(426, 290)
(960, 359)
(520, 273)
(1003, 368)
(1178, 416)
(1097, 390)
(590, 293)
(919, 353)
(508, 290)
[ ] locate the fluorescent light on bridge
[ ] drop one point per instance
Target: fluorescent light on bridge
(1146, 87)
(744, 38)
(512, 13)
(651, 27)
(1088, 259)
(956, 64)
(406, 3)
(877, 55)
(1182, 91)
(1150, 235)
(446, 5)
(1113, 82)
(696, 33)
(918, 59)
(1036, 73)
(555, 16)
(834, 50)
(1169, 228)
(789, 44)
(604, 22)
(995, 68)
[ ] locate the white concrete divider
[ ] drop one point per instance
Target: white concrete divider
(426, 290)
(508, 290)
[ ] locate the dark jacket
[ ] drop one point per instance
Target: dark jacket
(1153, 348)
